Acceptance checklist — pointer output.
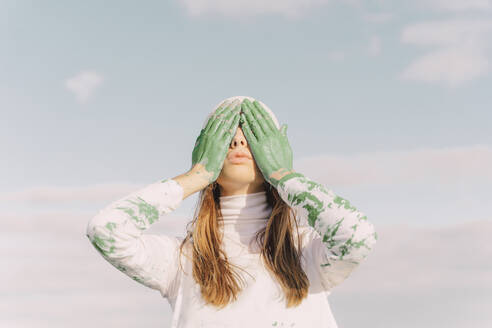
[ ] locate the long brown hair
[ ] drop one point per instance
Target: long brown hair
(281, 254)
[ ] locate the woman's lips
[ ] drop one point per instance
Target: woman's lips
(238, 157)
(239, 160)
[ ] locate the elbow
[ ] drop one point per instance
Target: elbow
(91, 228)
(372, 235)
(99, 236)
(362, 242)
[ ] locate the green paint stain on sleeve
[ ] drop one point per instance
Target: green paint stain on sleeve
(147, 213)
(343, 229)
(103, 245)
(345, 203)
(110, 226)
(138, 279)
(121, 268)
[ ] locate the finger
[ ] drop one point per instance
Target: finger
(220, 118)
(260, 119)
(270, 125)
(228, 121)
(199, 137)
(235, 123)
(250, 137)
(231, 131)
(283, 130)
(217, 112)
(251, 119)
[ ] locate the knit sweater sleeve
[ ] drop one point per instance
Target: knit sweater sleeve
(344, 235)
(116, 232)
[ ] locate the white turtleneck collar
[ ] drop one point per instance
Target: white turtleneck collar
(245, 214)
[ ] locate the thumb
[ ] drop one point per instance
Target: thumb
(283, 129)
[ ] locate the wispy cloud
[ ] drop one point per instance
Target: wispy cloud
(58, 194)
(239, 8)
(439, 273)
(425, 258)
(457, 5)
(430, 165)
(84, 84)
(460, 51)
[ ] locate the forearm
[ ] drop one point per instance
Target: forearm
(117, 233)
(345, 232)
(115, 227)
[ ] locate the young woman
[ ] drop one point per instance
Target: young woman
(266, 245)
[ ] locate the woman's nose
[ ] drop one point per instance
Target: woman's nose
(239, 141)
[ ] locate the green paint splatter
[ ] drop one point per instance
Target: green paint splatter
(311, 196)
(103, 245)
(149, 212)
(110, 226)
(345, 203)
(138, 279)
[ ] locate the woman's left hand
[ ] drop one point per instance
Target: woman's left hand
(269, 145)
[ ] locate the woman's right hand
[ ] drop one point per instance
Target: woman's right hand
(212, 144)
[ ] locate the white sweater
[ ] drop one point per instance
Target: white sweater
(335, 238)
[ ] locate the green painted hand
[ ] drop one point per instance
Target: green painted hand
(212, 144)
(269, 145)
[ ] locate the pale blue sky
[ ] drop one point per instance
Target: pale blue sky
(387, 103)
(332, 73)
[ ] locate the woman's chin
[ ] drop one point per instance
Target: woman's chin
(243, 173)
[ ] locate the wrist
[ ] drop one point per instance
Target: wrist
(277, 176)
(286, 176)
(280, 173)
(194, 180)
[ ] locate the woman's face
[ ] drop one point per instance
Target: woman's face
(240, 173)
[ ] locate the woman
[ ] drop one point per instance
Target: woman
(267, 244)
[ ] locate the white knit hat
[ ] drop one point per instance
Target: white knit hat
(241, 98)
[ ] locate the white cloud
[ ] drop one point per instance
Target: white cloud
(84, 84)
(460, 51)
(297, 8)
(70, 222)
(440, 274)
(57, 194)
(451, 66)
(239, 8)
(374, 47)
(441, 166)
(457, 5)
(427, 258)
(447, 32)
